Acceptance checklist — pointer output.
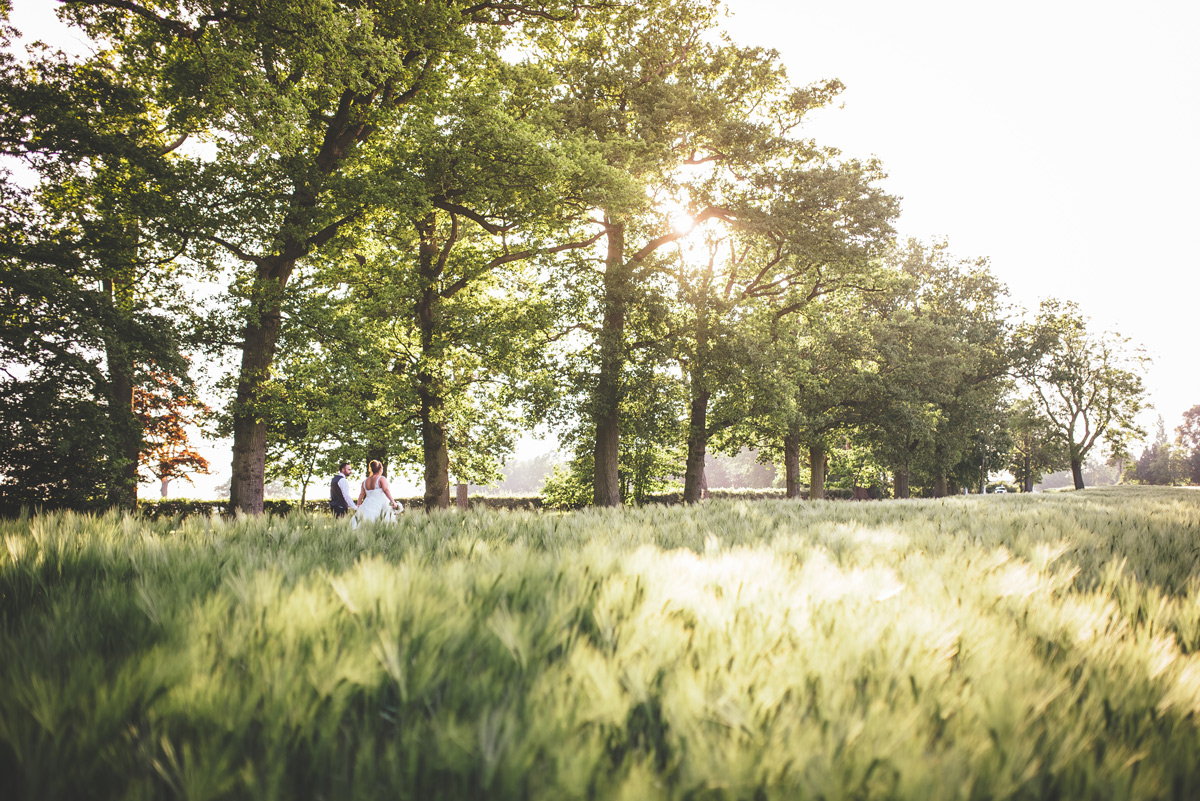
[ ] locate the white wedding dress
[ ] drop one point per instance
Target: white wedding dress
(375, 506)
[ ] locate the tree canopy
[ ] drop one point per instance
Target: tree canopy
(1087, 384)
(411, 232)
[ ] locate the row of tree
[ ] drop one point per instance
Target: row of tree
(410, 231)
(1170, 462)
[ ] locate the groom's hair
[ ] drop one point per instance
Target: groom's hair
(340, 466)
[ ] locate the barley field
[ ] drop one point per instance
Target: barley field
(1012, 647)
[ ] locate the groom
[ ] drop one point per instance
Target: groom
(339, 492)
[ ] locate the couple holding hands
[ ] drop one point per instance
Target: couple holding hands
(375, 501)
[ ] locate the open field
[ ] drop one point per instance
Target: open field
(976, 648)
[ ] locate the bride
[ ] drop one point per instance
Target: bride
(375, 501)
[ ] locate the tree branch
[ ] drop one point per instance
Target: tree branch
(507, 258)
(242, 255)
(506, 13)
(712, 212)
(450, 242)
(577, 327)
(165, 149)
(474, 216)
(328, 232)
(174, 26)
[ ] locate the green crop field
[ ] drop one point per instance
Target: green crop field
(1020, 647)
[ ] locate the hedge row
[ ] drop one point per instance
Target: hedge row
(765, 494)
(184, 507)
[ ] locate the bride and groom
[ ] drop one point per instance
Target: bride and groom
(375, 501)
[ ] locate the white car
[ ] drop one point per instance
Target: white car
(999, 490)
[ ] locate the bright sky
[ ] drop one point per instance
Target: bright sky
(1059, 138)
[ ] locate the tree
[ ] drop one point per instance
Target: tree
(963, 296)
(1188, 432)
(1163, 462)
(79, 247)
(1088, 385)
(942, 351)
(665, 110)
(318, 412)
(164, 414)
(1035, 450)
(1188, 438)
(812, 233)
(651, 451)
(57, 440)
(453, 275)
(626, 87)
(801, 386)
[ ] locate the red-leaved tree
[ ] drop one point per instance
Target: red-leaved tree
(165, 412)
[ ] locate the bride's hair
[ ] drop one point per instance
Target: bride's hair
(376, 467)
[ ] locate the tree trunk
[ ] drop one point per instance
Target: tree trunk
(163, 490)
(941, 487)
(693, 477)
(901, 482)
(606, 403)
(434, 447)
(791, 465)
(816, 472)
(1077, 473)
(259, 340)
(123, 492)
(1027, 479)
(435, 451)
(126, 426)
(697, 443)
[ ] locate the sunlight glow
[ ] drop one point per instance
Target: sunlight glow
(704, 584)
(676, 213)
(683, 223)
